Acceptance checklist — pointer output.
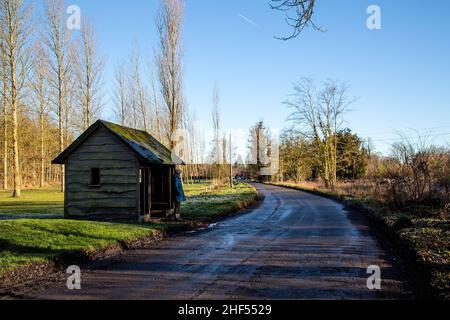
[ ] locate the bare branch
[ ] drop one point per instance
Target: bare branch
(302, 18)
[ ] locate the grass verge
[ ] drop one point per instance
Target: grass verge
(209, 206)
(37, 241)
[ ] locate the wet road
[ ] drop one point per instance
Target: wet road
(294, 246)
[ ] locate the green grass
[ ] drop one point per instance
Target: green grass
(27, 241)
(34, 203)
(31, 230)
(206, 205)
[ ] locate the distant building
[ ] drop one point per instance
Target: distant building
(114, 173)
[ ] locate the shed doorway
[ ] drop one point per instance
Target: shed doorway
(156, 190)
(161, 184)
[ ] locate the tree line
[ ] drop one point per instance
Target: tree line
(318, 148)
(53, 89)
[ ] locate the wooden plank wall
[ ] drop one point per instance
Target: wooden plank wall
(118, 196)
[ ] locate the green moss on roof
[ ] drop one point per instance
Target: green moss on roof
(142, 142)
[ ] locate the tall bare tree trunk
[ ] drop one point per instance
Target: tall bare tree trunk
(42, 129)
(138, 93)
(143, 108)
(16, 171)
(61, 121)
(157, 111)
(39, 92)
(169, 24)
(67, 109)
(122, 104)
(120, 100)
(42, 176)
(5, 145)
(219, 152)
(15, 38)
(90, 74)
(141, 91)
(133, 105)
(5, 120)
(58, 43)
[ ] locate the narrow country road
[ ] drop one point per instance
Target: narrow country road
(294, 246)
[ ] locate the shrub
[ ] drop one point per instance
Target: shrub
(417, 174)
(403, 222)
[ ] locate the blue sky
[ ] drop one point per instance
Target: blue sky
(401, 74)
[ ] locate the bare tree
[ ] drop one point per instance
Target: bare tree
(217, 125)
(132, 101)
(40, 93)
(15, 36)
(259, 148)
(139, 90)
(156, 108)
(89, 74)
(219, 150)
(412, 179)
(302, 18)
(58, 41)
(169, 23)
(120, 96)
(154, 104)
(71, 97)
(319, 115)
(5, 116)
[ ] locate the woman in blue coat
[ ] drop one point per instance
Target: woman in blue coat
(178, 193)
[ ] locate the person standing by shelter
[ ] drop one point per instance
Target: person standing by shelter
(178, 193)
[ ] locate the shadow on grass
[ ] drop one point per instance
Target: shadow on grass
(11, 209)
(29, 251)
(73, 233)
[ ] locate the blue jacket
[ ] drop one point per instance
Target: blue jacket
(178, 190)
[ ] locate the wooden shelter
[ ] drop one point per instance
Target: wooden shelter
(114, 172)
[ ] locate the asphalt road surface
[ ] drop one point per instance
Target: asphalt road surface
(295, 245)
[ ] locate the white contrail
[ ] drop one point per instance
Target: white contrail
(248, 20)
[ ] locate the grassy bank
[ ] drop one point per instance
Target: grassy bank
(423, 243)
(38, 239)
(210, 205)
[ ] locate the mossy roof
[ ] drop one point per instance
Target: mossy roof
(147, 148)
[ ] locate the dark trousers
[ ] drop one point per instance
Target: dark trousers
(177, 210)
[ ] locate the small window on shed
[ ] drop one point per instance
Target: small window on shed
(95, 177)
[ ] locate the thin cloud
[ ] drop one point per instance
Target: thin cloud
(247, 20)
